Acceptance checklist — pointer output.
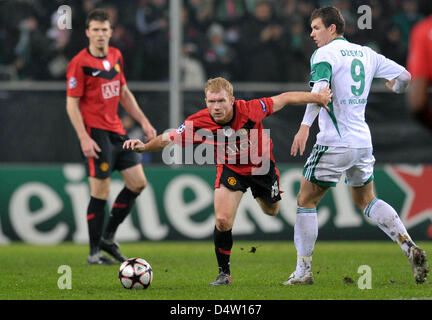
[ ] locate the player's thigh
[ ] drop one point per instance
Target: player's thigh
(226, 202)
(266, 190)
(99, 188)
(325, 165)
(134, 177)
(361, 171)
(102, 166)
(363, 195)
(310, 194)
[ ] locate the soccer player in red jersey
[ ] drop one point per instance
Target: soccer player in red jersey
(420, 67)
(95, 86)
(242, 150)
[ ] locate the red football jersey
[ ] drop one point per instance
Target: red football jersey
(420, 50)
(243, 144)
(97, 81)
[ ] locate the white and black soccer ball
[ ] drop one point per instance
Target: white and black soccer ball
(135, 273)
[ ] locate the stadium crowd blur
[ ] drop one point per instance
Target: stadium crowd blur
(241, 40)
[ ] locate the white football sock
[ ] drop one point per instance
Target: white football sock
(304, 265)
(305, 235)
(388, 221)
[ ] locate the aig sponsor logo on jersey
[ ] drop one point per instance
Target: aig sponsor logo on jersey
(111, 89)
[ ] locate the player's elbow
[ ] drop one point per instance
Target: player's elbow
(72, 102)
(405, 76)
(402, 82)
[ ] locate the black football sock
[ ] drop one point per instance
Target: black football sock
(223, 243)
(95, 222)
(121, 208)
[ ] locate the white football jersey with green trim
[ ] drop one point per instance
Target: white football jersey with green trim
(350, 69)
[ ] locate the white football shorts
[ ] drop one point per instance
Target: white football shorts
(326, 165)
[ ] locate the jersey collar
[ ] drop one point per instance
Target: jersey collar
(339, 38)
(88, 50)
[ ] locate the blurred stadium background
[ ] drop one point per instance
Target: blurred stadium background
(43, 188)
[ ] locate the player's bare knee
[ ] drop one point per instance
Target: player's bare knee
(301, 199)
(362, 203)
(101, 192)
(223, 224)
(306, 202)
(138, 187)
(272, 211)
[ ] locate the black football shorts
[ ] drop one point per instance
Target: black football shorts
(265, 187)
(112, 157)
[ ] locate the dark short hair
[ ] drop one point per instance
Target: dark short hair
(330, 15)
(97, 15)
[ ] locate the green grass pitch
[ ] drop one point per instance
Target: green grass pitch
(183, 270)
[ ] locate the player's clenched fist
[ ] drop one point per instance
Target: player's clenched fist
(134, 144)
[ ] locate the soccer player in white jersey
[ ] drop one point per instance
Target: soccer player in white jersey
(344, 143)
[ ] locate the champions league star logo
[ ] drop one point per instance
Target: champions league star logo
(72, 83)
(181, 128)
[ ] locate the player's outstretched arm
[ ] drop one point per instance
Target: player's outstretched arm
(311, 112)
(322, 98)
(156, 144)
(128, 101)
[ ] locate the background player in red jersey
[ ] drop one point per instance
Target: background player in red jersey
(420, 67)
(95, 86)
(237, 126)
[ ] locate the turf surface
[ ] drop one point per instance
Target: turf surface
(183, 270)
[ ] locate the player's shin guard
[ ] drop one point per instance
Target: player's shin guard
(95, 221)
(388, 221)
(121, 208)
(305, 235)
(223, 244)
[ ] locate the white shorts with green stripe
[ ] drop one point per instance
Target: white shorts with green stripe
(326, 165)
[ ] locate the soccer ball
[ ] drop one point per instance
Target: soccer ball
(135, 273)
